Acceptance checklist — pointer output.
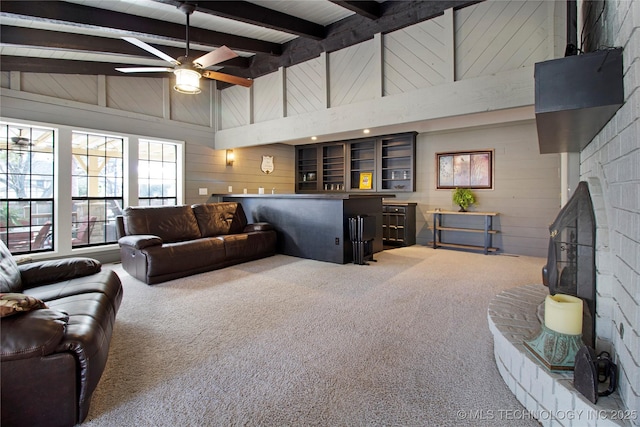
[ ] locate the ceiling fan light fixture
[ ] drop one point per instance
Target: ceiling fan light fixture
(187, 81)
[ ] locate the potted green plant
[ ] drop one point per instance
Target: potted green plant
(463, 197)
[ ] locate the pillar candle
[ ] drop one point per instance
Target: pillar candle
(563, 314)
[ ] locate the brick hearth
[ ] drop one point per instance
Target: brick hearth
(547, 396)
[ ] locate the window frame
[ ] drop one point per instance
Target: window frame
(62, 210)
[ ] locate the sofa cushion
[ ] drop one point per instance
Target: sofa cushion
(45, 272)
(13, 303)
(215, 219)
(10, 279)
(170, 223)
(249, 245)
(33, 334)
(184, 256)
(105, 282)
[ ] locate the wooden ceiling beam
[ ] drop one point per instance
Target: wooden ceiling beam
(31, 37)
(353, 30)
(65, 66)
(366, 8)
(254, 14)
(77, 15)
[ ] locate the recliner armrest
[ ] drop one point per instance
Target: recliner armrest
(258, 226)
(140, 241)
(45, 272)
(35, 333)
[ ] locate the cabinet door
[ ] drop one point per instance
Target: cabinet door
(397, 168)
(333, 167)
(362, 161)
(307, 169)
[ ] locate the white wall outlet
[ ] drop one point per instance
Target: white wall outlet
(203, 191)
(230, 189)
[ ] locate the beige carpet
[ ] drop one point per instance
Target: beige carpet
(285, 341)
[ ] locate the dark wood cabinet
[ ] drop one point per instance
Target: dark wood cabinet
(333, 171)
(307, 167)
(338, 166)
(397, 163)
(362, 160)
(399, 224)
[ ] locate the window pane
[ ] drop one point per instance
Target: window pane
(155, 151)
(169, 188)
(169, 171)
(155, 169)
(169, 153)
(99, 199)
(26, 185)
(157, 177)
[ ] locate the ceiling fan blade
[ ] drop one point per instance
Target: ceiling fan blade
(144, 69)
(227, 78)
(221, 54)
(150, 49)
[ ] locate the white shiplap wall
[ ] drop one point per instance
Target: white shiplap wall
(234, 107)
(196, 110)
(418, 56)
(306, 87)
(352, 74)
(492, 38)
(267, 95)
(495, 36)
(138, 95)
(71, 87)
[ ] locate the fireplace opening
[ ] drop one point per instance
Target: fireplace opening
(570, 267)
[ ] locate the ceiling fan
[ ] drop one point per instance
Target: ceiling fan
(20, 139)
(188, 72)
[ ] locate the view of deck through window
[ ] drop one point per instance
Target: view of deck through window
(27, 168)
(97, 188)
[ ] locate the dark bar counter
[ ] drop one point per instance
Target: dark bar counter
(314, 226)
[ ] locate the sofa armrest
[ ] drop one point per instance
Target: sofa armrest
(35, 333)
(258, 226)
(140, 241)
(46, 272)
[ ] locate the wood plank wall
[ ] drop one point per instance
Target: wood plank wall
(481, 40)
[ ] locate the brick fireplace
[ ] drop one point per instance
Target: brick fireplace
(610, 163)
(549, 396)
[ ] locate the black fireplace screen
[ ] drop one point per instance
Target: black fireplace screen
(571, 265)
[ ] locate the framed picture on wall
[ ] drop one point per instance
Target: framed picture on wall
(469, 169)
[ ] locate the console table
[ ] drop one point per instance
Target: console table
(487, 230)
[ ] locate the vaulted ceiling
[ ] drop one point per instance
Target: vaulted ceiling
(84, 36)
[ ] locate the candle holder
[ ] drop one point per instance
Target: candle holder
(555, 350)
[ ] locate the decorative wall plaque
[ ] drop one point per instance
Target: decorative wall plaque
(267, 164)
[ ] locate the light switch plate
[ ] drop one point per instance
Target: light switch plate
(203, 191)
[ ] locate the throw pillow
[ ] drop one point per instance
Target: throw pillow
(12, 303)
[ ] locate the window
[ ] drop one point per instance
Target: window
(61, 188)
(157, 173)
(96, 187)
(26, 187)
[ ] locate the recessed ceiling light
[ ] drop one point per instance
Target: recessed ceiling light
(366, 131)
(313, 138)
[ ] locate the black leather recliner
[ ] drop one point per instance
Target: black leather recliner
(52, 358)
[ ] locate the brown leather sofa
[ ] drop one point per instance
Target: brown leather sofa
(160, 243)
(52, 358)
